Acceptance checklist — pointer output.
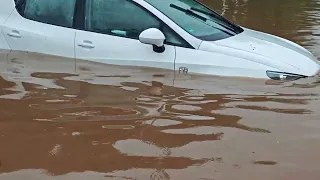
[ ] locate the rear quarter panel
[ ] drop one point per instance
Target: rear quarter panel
(6, 7)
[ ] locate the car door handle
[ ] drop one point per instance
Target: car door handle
(15, 34)
(86, 44)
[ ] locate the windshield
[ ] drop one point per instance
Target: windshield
(197, 19)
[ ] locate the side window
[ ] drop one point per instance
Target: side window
(55, 12)
(118, 17)
(125, 19)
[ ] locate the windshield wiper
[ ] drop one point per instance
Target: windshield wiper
(189, 12)
(204, 12)
(215, 15)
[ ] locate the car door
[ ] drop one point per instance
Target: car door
(111, 35)
(42, 27)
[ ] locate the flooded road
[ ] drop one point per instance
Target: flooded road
(64, 119)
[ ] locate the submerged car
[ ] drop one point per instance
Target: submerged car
(182, 35)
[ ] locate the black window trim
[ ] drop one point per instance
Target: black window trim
(79, 15)
(81, 26)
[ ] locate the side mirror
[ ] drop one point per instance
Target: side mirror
(154, 37)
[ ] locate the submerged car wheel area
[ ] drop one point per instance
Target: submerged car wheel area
(172, 34)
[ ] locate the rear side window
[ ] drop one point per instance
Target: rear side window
(55, 12)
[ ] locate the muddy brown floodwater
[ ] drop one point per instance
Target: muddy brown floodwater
(64, 119)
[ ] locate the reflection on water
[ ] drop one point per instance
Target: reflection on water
(87, 120)
(67, 119)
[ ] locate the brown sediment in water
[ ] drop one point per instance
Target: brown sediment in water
(265, 162)
(5, 85)
(80, 120)
(140, 127)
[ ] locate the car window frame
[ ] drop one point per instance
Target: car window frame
(80, 25)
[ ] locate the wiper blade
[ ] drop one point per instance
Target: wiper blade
(188, 11)
(204, 12)
(215, 15)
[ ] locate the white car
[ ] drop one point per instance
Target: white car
(182, 35)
